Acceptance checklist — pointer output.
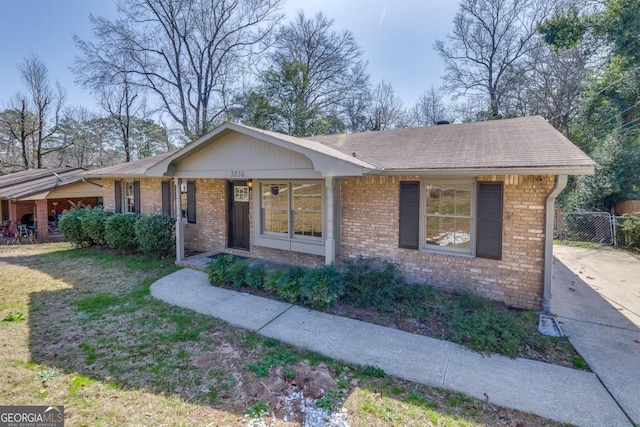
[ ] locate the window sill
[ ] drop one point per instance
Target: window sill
(292, 245)
(445, 252)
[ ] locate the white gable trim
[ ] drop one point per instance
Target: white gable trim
(325, 160)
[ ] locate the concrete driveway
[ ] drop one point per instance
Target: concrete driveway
(596, 299)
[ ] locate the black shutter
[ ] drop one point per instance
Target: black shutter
(118, 195)
(489, 223)
(166, 197)
(191, 202)
(136, 196)
(409, 214)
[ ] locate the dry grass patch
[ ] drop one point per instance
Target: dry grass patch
(80, 329)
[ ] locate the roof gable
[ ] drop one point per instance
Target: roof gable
(325, 160)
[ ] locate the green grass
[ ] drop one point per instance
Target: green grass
(95, 340)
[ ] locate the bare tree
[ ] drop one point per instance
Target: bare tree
(186, 52)
(18, 124)
(430, 108)
(490, 40)
(315, 71)
(123, 107)
(386, 110)
(45, 104)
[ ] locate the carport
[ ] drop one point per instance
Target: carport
(34, 194)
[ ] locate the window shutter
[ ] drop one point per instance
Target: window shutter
(191, 202)
(409, 215)
(118, 196)
(166, 197)
(136, 196)
(489, 220)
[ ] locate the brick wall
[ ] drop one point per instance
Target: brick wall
(210, 233)
(108, 195)
(370, 227)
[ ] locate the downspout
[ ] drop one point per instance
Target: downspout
(560, 184)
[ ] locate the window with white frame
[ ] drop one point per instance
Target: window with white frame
(129, 197)
(448, 216)
(291, 210)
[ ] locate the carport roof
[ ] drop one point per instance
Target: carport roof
(22, 185)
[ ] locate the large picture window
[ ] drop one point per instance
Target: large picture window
(448, 216)
(275, 208)
(291, 209)
(307, 209)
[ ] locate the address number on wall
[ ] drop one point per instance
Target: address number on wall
(237, 174)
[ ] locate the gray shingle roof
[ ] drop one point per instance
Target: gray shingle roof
(136, 168)
(521, 143)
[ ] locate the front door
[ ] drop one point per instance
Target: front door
(239, 215)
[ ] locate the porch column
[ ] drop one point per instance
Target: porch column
(329, 241)
(179, 223)
(42, 221)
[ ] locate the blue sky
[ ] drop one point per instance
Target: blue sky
(397, 38)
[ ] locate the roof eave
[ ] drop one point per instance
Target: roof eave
(547, 170)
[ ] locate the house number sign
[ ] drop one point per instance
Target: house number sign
(237, 174)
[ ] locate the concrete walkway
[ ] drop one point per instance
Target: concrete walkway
(558, 393)
(596, 299)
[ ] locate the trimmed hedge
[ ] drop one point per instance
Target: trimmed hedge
(128, 233)
(93, 225)
(120, 232)
(70, 226)
(155, 234)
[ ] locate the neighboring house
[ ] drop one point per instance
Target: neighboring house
(460, 206)
(35, 193)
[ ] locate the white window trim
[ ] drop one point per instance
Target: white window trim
(443, 250)
(126, 207)
(290, 241)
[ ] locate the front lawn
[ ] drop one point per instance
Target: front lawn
(79, 328)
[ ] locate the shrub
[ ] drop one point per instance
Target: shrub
(155, 234)
(631, 230)
(218, 270)
(94, 223)
(237, 272)
(371, 283)
(321, 287)
(255, 275)
(70, 226)
(286, 282)
(271, 279)
(120, 232)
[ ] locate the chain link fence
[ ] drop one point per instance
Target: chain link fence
(593, 227)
